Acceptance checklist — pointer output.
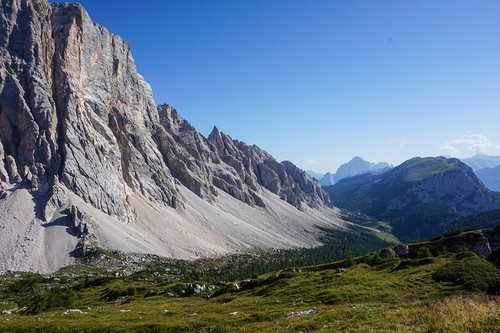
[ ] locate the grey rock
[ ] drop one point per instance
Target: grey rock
(481, 248)
(387, 253)
(245, 283)
(199, 288)
(401, 250)
(493, 237)
(11, 166)
(74, 110)
(81, 222)
(301, 313)
(194, 289)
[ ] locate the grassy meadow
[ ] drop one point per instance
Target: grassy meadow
(437, 293)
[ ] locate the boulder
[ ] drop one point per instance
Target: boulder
(401, 250)
(387, 253)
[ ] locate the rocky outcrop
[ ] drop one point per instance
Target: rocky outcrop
(256, 167)
(459, 189)
(75, 114)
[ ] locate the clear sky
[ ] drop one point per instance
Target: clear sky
(318, 82)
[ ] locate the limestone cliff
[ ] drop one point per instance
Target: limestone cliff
(75, 112)
(79, 127)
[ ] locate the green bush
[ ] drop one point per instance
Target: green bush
(33, 297)
(114, 293)
(59, 298)
(414, 263)
(424, 252)
(474, 273)
(26, 283)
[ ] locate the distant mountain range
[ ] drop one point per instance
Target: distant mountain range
(419, 198)
(490, 177)
(356, 166)
(487, 168)
(315, 174)
(482, 161)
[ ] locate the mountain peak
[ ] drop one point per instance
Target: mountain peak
(357, 159)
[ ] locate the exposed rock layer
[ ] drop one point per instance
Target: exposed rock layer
(79, 129)
(75, 112)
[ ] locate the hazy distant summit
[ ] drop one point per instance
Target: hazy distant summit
(487, 169)
(356, 166)
(490, 177)
(481, 161)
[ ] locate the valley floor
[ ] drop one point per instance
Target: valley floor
(364, 298)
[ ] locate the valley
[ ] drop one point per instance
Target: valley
(118, 215)
(437, 286)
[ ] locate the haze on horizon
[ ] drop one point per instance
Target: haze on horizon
(318, 82)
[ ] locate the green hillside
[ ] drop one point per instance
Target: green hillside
(439, 286)
(487, 219)
(419, 198)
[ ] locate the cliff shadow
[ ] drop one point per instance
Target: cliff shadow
(63, 221)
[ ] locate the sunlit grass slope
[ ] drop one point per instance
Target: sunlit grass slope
(431, 291)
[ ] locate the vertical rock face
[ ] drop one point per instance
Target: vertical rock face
(75, 113)
(73, 109)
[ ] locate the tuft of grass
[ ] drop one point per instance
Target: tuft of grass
(477, 313)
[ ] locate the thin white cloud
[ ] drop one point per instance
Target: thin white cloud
(467, 144)
(398, 142)
(313, 162)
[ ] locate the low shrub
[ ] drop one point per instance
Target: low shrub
(473, 273)
(33, 297)
(404, 264)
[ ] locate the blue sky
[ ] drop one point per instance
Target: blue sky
(318, 82)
